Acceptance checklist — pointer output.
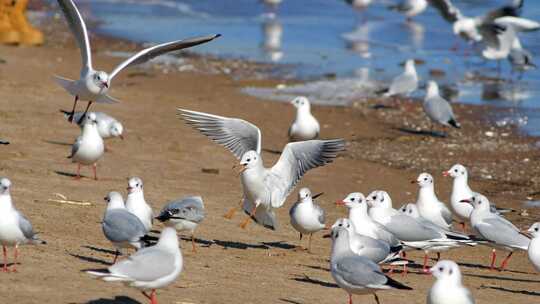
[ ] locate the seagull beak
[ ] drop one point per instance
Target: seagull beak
(340, 203)
(468, 201)
(446, 173)
(121, 136)
(317, 195)
(327, 236)
(414, 182)
(105, 84)
(129, 188)
(239, 168)
(525, 233)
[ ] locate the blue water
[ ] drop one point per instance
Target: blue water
(321, 37)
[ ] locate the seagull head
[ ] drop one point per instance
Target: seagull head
(424, 180)
(533, 231)
(117, 129)
(114, 200)
(447, 270)
(410, 210)
(457, 170)
(478, 201)
(340, 227)
(353, 200)
(379, 198)
(410, 66)
(249, 160)
(101, 79)
(432, 89)
(5, 185)
(301, 102)
(91, 118)
(135, 184)
(303, 194)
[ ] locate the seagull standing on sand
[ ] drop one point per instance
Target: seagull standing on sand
(89, 147)
(437, 108)
(306, 216)
(498, 231)
(533, 252)
(380, 206)
(120, 226)
(15, 228)
(410, 8)
(93, 85)
(184, 215)
(107, 125)
(136, 204)
(448, 287)
(460, 191)
(404, 84)
(429, 205)
(305, 126)
(148, 269)
(357, 274)
(264, 188)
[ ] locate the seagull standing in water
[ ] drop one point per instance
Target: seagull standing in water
(306, 216)
(264, 188)
(93, 85)
(437, 108)
(405, 83)
(305, 126)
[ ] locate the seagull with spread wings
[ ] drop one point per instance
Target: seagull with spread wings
(93, 85)
(264, 188)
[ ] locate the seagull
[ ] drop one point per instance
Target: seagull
(520, 59)
(363, 224)
(429, 205)
(498, 231)
(498, 40)
(404, 84)
(93, 85)
(305, 126)
(15, 228)
(357, 274)
(264, 188)
(120, 226)
(89, 147)
(533, 252)
(150, 268)
(437, 108)
(448, 287)
(410, 8)
(306, 216)
(183, 214)
(359, 4)
(380, 206)
(136, 204)
(107, 125)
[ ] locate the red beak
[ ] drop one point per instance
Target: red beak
(121, 136)
(340, 203)
(414, 182)
(105, 85)
(468, 201)
(446, 173)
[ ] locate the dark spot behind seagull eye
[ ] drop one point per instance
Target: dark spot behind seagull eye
(450, 271)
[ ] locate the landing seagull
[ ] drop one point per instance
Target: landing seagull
(93, 85)
(264, 188)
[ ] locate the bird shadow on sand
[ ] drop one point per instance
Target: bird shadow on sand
(279, 244)
(204, 243)
(525, 292)
(90, 259)
(116, 300)
(422, 132)
(306, 279)
(69, 174)
(479, 266)
(290, 301)
(103, 250)
(239, 245)
(501, 278)
(315, 267)
(55, 142)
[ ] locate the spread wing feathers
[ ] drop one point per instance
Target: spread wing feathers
(297, 158)
(447, 10)
(237, 135)
(78, 28)
(512, 10)
(160, 49)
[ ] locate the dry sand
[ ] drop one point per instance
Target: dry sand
(232, 265)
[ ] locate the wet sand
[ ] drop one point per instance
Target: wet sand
(232, 265)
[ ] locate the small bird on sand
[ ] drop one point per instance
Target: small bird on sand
(305, 126)
(437, 109)
(136, 204)
(89, 147)
(533, 252)
(306, 216)
(448, 288)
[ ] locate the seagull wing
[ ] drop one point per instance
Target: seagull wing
(78, 28)
(447, 10)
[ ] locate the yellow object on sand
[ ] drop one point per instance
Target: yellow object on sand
(8, 35)
(28, 34)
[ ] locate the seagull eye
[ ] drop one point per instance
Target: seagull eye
(441, 269)
(425, 178)
(374, 197)
(340, 225)
(479, 203)
(249, 159)
(455, 170)
(348, 226)
(352, 199)
(536, 229)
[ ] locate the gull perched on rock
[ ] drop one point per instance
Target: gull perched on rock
(357, 274)
(89, 147)
(429, 205)
(183, 214)
(306, 216)
(136, 204)
(533, 252)
(305, 126)
(404, 84)
(15, 228)
(107, 125)
(437, 108)
(264, 188)
(120, 226)
(498, 231)
(93, 85)
(148, 269)
(448, 287)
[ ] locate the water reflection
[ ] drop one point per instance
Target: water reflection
(417, 33)
(272, 31)
(358, 40)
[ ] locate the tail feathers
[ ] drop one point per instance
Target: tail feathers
(148, 240)
(395, 284)
(37, 241)
(382, 91)
(98, 272)
(457, 236)
(105, 275)
(397, 261)
(454, 123)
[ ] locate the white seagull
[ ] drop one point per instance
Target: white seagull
(411, 8)
(89, 147)
(448, 287)
(264, 188)
(429, 205)
(305, 126)
(380, 206)
(498, 231)
(93, 85)
(136, 204)
(437, 108)
(533, 252)
(405, 83)
(15, 228)
(107, 125)
(306, 216)
(148, 269)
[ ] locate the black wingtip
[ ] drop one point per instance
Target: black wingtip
(64, 112)
(395, 249)
(4, 142)
(395, 284)
(217, 36)
(454, 123)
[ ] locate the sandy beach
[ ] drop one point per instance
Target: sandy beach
(232, 265)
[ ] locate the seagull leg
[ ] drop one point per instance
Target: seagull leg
(505, 261)
(376, 298)
(78, 176)
(153, 298)
(85, 111)
(404, 255)
(16, 256)
(116, 254)
(425, 269)
(193, 248)
(243, 225)
(70, 118)
(463, 228)
(350, 299)
(438, 256)
(232, 211)
(5, 268)
(493, 257)
(309, 243)
(94, 168)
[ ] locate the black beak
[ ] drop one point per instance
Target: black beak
(317, 195)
